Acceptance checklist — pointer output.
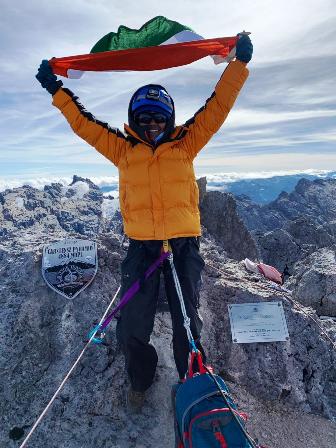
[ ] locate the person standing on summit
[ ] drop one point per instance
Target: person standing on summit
(159, 201)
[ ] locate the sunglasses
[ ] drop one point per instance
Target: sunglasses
(146, 118)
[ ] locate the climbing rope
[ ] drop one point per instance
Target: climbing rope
(23, 444)
(186, 319)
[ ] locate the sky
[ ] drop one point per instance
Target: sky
(283, 120)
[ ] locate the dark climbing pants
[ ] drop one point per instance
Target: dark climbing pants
(136, 321)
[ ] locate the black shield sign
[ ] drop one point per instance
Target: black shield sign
(69, 266)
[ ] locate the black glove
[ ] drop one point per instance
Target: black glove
(244, 48)
(47, 79)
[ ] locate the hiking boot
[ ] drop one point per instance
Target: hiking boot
(135, 400)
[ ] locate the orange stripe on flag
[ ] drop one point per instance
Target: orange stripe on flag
(145, 58)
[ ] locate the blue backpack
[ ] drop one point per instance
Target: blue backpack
(206, 419)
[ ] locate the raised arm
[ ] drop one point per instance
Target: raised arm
(110, 142)
(207, 120)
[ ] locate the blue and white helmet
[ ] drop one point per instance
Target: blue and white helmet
(152, 98)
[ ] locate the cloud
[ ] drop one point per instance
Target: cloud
(265, 162)
(213, 180)
(287, 104)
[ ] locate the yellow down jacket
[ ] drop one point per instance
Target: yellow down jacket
(157, 188)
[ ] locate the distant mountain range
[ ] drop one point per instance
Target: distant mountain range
(263, 191)
(260, 190)
(260, 187)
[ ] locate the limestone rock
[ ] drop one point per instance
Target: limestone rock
(76, 208)
(278, 248)
(314, 281)
(308, 234)
(310, 199)
(284, 372)
(219, 216)
(202, 183)
(295, 224)
(43, 334)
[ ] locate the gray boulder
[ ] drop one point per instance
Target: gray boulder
(278, 248)
(309, 235)
(294, 372)
(202, 184)
(47, 332)
(219, 216)
(314, 200)
(314, 281)
(74, 208)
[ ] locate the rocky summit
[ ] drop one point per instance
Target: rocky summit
(287, 388)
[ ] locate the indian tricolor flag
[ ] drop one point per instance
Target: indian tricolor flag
(158, 44)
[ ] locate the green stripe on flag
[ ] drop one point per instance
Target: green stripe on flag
(152, 33)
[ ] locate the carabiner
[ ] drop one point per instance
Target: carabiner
(99, 335)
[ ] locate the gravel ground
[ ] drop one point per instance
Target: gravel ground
(277, 427)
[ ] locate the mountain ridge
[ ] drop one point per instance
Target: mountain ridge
(45, 332)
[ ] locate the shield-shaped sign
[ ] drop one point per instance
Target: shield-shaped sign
(69, 266)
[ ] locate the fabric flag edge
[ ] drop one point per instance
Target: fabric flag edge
(133, 59)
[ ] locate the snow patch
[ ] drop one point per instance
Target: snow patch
(80, 188)
(19, 202)
(109, 207)
(114, 193)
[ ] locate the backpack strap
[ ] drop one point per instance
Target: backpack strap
(196, 354)
(219, 435)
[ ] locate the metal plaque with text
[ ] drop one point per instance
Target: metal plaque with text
(258, 322)
(69, 266)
